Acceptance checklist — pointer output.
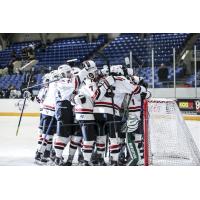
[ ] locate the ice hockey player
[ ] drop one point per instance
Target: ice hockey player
(40, 99)
(76, 139)
(84, 115)
(48, 121)
(64, 113)
(108, 100)
(135, 122)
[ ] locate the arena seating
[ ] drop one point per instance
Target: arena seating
(17, 47)
(162, 43)
(55, 54)
(64, 49)
(58, 52)
(8, 80)
(146, 73)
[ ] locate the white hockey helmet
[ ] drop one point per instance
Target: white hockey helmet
(46, 78)
(65, 71)
(90, 65)
(105, 70)
(54, 75)
(75, 70)
(137, 79)
(117, 69)
(130, 71)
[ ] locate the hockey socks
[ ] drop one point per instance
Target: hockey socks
(59, 145)
(114, 148)
(101, 145)
(87, 150)
(75, 142)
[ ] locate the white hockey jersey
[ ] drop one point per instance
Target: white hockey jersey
(135, 103)
(66, 86)
(50, 100)
(84, 111)
(103, 101)
(41, 96)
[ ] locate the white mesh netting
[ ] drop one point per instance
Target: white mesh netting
(169, 139)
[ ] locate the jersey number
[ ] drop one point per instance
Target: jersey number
(91, 87)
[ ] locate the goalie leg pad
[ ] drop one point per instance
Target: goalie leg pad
(132, 149)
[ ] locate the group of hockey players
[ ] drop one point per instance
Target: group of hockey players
(81, 113)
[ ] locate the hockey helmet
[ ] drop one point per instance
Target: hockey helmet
(54, 75)
(137, 79)
(116, 70)
(65, 71)
(46, 78)
(90, 65)
(105, 70)
(129, 71)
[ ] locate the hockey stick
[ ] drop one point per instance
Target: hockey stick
(111, 89)
(41, 84)
(127, 62)
(72, 60)
(130, 144)
(22, 111)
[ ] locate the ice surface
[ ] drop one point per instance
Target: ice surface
(20, 150)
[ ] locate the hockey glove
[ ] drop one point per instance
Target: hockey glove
(108, 81)
(79, 99)
(27, 95)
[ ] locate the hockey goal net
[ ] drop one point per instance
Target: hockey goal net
(167, 139)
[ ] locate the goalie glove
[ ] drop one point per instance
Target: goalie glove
(148, 95)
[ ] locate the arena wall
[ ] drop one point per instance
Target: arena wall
(12, 107)
(172, 93)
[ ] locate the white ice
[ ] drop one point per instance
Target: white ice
(20, 150)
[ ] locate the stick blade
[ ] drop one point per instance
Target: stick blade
(17, 132)
(29, 65)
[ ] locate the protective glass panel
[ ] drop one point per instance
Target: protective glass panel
(185, 73)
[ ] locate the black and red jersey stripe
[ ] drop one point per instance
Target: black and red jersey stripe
(107, 104)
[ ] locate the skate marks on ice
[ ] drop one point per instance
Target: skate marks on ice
(20, 150)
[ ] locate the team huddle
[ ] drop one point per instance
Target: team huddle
(81, 109)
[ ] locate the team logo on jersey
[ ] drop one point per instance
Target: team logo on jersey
(20, 104)
(82, 116)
